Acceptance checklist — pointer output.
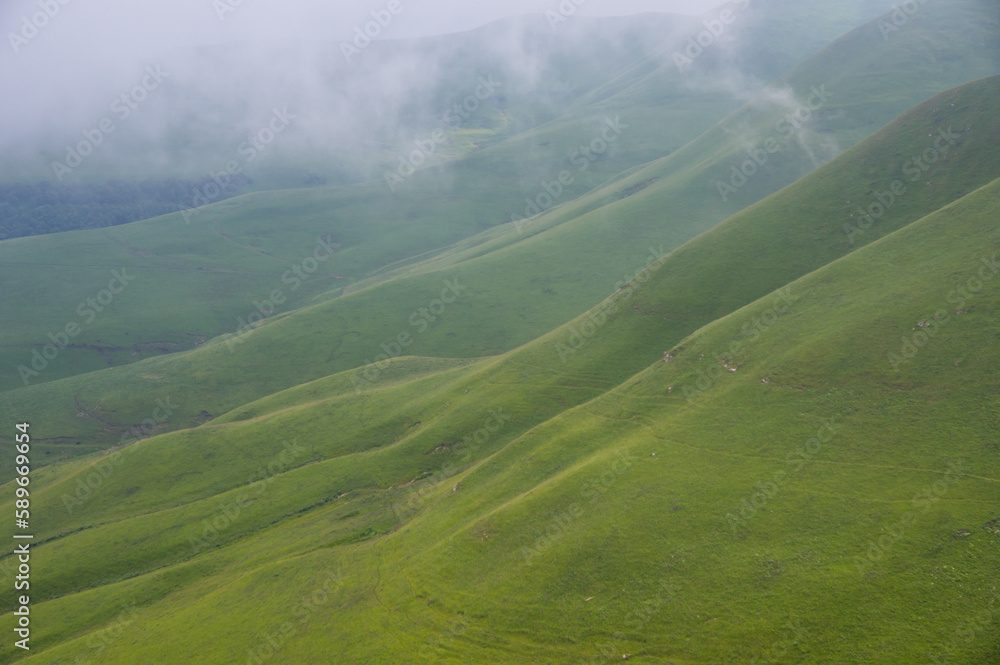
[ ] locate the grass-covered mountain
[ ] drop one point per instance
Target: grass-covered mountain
(503, 80)
(683, 512)
(209, 272)
(662, 421)
(354, 115)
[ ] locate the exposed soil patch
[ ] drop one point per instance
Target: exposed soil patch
(635, 189)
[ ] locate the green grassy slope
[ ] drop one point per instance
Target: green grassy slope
(680, 295)
(639, 492)
(206, 275)
(394, 459)
(811, 478)
(769, 245)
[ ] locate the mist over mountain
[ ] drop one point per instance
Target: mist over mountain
(353, 107)
(500, 332)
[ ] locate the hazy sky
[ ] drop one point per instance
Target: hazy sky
(93, 30)
(61, 60)
(85, 43)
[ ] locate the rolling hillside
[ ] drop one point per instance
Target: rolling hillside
(721, 392)
(798, 507)
(211, 276)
